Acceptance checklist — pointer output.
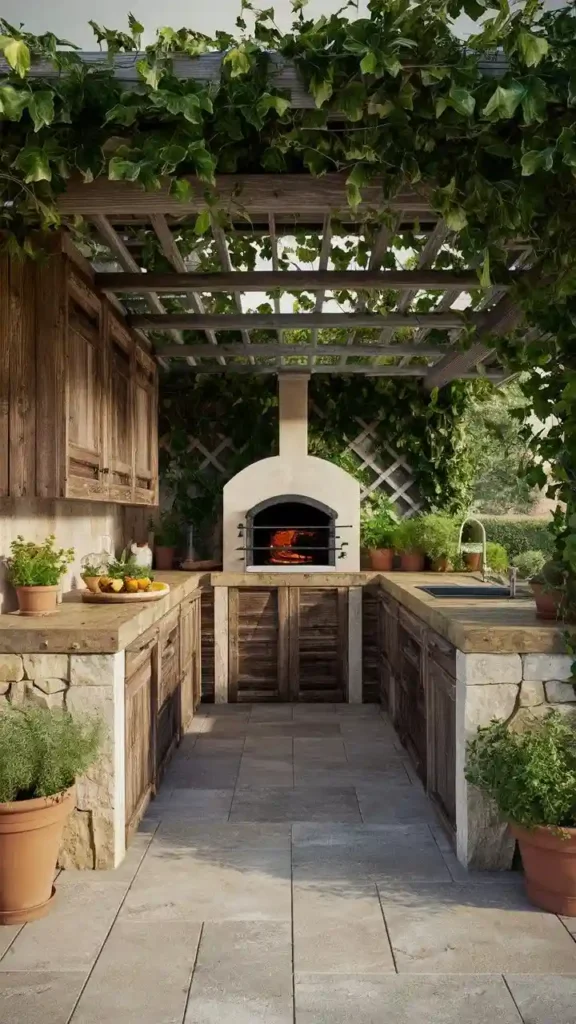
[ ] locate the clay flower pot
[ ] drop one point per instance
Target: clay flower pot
(30, 837)
(381, 559)
(441, 565)
(473, 561)
(37, 600)
(549, 603)
(411, 561)
(92, 583)
(164, 557)
(549, 861)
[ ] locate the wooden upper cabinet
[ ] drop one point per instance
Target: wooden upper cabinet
(85, 475)
(120, 410)
(145, 398)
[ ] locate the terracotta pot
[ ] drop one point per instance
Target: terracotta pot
(441, 565)
(473, 561)
(37, 600)
(411, 561)
(164, 557)
(381, 559)
(92, 583)
(30, 838)
(549, 862)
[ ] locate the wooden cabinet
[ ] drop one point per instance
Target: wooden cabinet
(141, 699)
(387, 633)
(410, 699)
(442, 727)
(78, 392)
(190, 658)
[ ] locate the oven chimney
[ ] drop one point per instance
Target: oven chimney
(293, 414)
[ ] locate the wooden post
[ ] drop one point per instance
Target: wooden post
(355, 645)
(221, 645)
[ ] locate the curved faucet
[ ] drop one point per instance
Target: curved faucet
(487, 573)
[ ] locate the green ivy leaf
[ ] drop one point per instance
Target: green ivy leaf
(188, 105)
(534, 101)
(151, 73)
(504, 101)
(536, 160)
(173, 155)
(321, 90)
(351, 101)
(379, 107)
(392, 65)
(204, 163)
(181, 189)
(406, 96)
(462, 100)
(532, 48)
(17, 54)
(202, 224)
(123, 113)
(41, 107)
(35, 164)
(358, 177)
(120, 169)
(268, 102)
(12, 102)
(455, 218)
(239, 62)
(485, 279)
(369, 63)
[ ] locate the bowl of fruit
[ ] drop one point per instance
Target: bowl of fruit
(123, 581)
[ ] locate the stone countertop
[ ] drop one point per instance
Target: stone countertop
(79, 628)
(495, 626)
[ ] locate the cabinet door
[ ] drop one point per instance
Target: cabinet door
(140, 727)
(145, 395)
(410, 708)
(189, 657)
(85, 475)
(120, 469)
(442, 740)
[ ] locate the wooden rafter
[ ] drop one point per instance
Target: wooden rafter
(292, 321)
(222, 248)
(504, 317)
(322, 269)
(495, 377)
(379, 250)
(319, 281)
(275, 349)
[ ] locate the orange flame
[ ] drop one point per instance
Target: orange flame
(283, 541)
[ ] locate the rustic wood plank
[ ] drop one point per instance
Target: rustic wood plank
(283, 643)
(4, 375)
(504, 317)
(233, 653)
(342, 637)
(22, 379)
(294, 321)
(273, 349)
(320, 281)
(354, 687)
(221, 647)
(51, 440)
(293, 643)
(294, 194)
(288, 579)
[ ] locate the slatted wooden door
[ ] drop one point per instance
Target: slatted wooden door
(85, 475)
(287, 644)
(120, 412)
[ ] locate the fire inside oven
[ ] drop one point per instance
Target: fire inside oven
(292, 533)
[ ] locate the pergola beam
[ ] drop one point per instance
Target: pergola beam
(293, 321)
(274, 349)
(320, 281)
(366, 371)
(504, 317)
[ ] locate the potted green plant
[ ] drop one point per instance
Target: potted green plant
(407, 540)
(167, 530)
(554, 593)
(439, 541)
(531, 776)
(497, 557)
(35, 570)
(92, 571)
(43, 752)
(529, 564)
(377, 529)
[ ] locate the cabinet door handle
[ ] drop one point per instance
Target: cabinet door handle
(147, 645)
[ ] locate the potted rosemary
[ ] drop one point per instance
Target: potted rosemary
(439, 541)
(407, 540)
(531, 776)
(377, 531)
(43, 752)
(35, 571)
(167, 532)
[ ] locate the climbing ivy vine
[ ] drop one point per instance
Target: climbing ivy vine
(398, 99)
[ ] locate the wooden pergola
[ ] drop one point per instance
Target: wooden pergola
(267, 207)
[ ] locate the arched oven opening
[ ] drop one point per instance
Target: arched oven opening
(290, 531)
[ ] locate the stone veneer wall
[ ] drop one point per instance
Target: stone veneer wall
(84, 684)
(520, 689)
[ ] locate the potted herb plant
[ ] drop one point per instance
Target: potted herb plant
(167, 530)
(554, 593)
(531, 776)
(407, 540)
(43, 752)
(92, 571)
(377, 530)
(35, 570)
(497, 557)
(439, 541)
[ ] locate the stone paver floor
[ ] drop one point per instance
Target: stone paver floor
(290, 870)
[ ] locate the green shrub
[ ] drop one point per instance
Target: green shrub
(37, 565)
(529, 563)
(530, 775)
(497, 557)
(408, 535)
(44, 751)
(439, 538)
(519, 535)
(167, 529)
(378, 523)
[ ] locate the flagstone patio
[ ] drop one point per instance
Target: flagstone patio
(290, 870)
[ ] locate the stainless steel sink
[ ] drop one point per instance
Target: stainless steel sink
(485, 593)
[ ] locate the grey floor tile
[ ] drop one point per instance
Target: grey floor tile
(393, 999)
(209, 745)
(305, 804)
(39, 997)
(395, 802)
(219, 885)
(143, 975)
(271, 713)
(387, 854)
(458, 929)
(309, 711)
(193, 805)
(326, 751)
(570, 923)
(70, 938)
(7, 935)
(125, 872)
(340, 930)
(544, 999)
(205, 839)
(243, 975)
(269, 746)
(223, 727)
(265, 771)
(344, 775)
(211, 772)
(304, 728)
(372, 754)
(358, 710)
(461, 874)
